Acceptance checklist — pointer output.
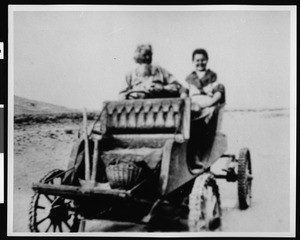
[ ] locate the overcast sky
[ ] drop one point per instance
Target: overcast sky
(80, 58)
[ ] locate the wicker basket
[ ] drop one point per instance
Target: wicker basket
(124, 175)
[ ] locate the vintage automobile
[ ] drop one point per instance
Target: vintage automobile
(145, 161)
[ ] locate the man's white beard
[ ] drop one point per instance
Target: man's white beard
(144, 70)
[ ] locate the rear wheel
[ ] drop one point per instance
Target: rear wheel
(50, 213)
(244, 178)
(204, 205)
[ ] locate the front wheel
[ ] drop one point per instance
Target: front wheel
(49, 213)
(244, 178)
(204, 205)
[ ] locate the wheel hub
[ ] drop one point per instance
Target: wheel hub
(58, 214)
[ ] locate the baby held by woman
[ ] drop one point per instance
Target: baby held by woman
(204, 89)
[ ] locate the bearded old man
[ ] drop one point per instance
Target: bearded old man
(148, 80)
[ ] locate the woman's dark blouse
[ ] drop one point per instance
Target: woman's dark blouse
(208, 78)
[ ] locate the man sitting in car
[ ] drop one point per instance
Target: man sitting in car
(148, 80)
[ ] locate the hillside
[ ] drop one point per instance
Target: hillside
(32, 111)
(28, 106)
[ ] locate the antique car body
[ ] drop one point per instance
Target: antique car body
(137, 164)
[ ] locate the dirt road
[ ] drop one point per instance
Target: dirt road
(42, 147)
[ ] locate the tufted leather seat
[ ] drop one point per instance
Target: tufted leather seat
(143, 116)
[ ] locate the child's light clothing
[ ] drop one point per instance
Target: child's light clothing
(202, 86)
(206, 85)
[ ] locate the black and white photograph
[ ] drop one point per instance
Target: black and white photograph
(151, 121)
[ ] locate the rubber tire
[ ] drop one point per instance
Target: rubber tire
(244, 184)
(34, 202)
(197, 204)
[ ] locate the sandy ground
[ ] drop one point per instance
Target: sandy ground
(42, 147)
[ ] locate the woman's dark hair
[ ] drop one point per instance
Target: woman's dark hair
(200, 51)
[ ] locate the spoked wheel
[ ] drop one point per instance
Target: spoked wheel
(204, 205)
(244, 178)
(50, 213)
